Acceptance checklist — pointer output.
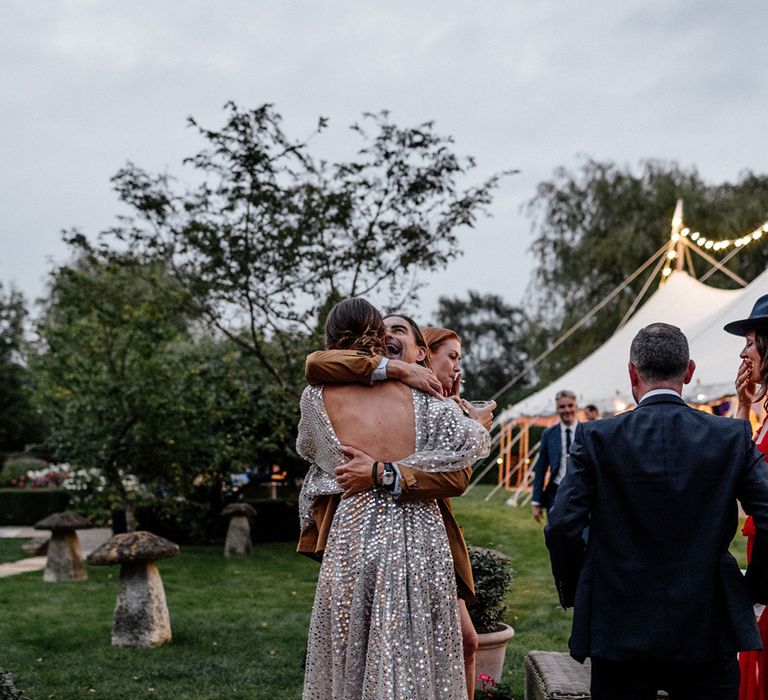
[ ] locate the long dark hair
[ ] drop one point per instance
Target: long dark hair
(761, 341)
(417, 334)
(354, 324)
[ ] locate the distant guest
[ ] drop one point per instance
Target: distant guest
(551, 462)
(591, 412)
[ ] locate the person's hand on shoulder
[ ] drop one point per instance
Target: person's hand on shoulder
(416, 376)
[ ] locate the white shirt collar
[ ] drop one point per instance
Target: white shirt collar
(564, 426)
(659, 392)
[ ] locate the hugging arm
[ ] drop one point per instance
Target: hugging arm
(415, 485)
(441, 468)
(340, 367)
(352, 367)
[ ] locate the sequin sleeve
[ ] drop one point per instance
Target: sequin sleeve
(446, 439)
(305, 441)
(316, 443)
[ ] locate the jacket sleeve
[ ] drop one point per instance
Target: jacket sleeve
(540, 468)
(419, 485)
(340, 367)
(752, 492)
(567, 519)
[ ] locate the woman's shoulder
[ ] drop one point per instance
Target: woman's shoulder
(312, 391)
(435, 405)
(311, 396)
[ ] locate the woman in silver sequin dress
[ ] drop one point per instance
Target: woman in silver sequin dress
(384, 623)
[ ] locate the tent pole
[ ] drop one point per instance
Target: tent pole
(504, 447)
(689, 261)
(719, 266)
(527, 470)
(712, 270)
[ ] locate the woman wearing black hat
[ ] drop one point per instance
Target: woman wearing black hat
(753, 370)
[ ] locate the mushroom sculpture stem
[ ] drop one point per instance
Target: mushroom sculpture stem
(141, 616)
(65, 560)
(238, 543)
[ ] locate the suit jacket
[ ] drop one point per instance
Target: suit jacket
(658, 488)
(548, 460)
(339, 366)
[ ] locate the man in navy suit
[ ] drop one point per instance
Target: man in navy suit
(659, 602)
(555, 443)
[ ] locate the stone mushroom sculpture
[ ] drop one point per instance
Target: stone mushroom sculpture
(65, 560)
(141, 615)
(238, 542)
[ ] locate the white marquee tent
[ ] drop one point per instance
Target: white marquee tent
(699, 310)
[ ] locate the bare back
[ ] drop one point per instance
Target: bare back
(378, 419)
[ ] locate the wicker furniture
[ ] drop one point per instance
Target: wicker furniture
(554, 675)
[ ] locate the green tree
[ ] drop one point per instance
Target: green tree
(493, 335)
(596, 225)
(135, 391)
(104, 377)
(271, 235)
(19, 423)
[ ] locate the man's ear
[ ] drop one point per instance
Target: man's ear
(422, 354)
(689, 372)
(634, 376)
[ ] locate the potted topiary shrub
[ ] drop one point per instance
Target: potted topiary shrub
(493, 576)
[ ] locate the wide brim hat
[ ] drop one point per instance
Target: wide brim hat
(757, 321)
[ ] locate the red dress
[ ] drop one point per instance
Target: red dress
(754, 664)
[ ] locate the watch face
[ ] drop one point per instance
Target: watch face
(388, 477)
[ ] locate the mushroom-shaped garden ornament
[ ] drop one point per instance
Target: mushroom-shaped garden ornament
(141, 615)
(65, 560)
(238, 542)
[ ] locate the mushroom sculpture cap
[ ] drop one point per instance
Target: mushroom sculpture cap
(238, 509)
(63, 522)
(133, 547)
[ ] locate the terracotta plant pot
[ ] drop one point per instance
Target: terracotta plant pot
(491, 647)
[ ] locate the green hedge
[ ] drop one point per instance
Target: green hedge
(27, 506)
(190, 522)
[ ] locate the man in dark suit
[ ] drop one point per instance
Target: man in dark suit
(659, 603)
(555, 443)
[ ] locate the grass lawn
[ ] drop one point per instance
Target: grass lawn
(10, 550)
(239, 626)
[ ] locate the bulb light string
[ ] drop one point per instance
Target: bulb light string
(694, 238)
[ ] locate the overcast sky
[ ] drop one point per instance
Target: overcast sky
(87, 85)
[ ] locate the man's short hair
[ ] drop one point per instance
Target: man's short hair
(660, 353)
(565, 393)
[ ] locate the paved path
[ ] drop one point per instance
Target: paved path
(89, 540)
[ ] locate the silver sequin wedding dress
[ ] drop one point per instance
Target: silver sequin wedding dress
(385, 623)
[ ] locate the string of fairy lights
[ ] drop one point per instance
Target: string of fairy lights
(695, 238)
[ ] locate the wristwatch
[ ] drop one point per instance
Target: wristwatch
(389, 475)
